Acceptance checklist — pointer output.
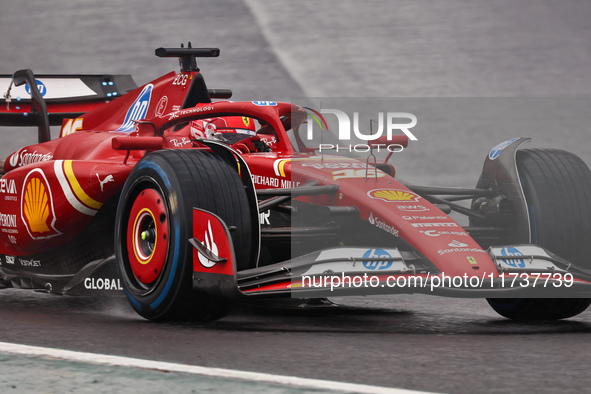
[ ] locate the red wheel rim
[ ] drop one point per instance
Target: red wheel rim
(147, 236)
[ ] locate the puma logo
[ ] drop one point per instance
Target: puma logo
(108, 178)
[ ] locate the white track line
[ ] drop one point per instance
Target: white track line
(103, 359)
(261, 17)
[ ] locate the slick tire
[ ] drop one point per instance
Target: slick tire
(154, 222)
(532, 309)
(557, 187)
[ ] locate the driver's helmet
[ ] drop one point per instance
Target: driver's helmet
(209, 128)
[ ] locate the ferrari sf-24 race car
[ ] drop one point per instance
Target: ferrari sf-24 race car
(188, 205)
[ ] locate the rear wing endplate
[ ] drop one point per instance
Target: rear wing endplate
(66, 96)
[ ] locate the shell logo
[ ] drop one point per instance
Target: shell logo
(393, 195)
(37, 206)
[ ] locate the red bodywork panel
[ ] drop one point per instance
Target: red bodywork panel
(385, 201)
(52, 190)
(211, 231)
(58, 186)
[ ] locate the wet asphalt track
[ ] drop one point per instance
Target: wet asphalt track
(332, 48)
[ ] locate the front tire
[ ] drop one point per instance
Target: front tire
(557, 188)
(154, 224)
(531, 309)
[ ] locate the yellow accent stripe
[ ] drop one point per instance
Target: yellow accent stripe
(77, 189)
(281, 165)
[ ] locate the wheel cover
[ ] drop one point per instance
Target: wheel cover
(147, 236)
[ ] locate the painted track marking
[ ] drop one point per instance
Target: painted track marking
(103, 359)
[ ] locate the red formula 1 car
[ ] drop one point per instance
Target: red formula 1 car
(198, 204)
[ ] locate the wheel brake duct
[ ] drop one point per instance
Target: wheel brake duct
(500, 173)
(236, 161)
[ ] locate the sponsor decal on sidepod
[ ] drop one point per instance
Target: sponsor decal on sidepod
(382, 225)
(393, 195)
(138, 109)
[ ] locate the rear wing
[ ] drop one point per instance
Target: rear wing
(66, 96)
(44, 100)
